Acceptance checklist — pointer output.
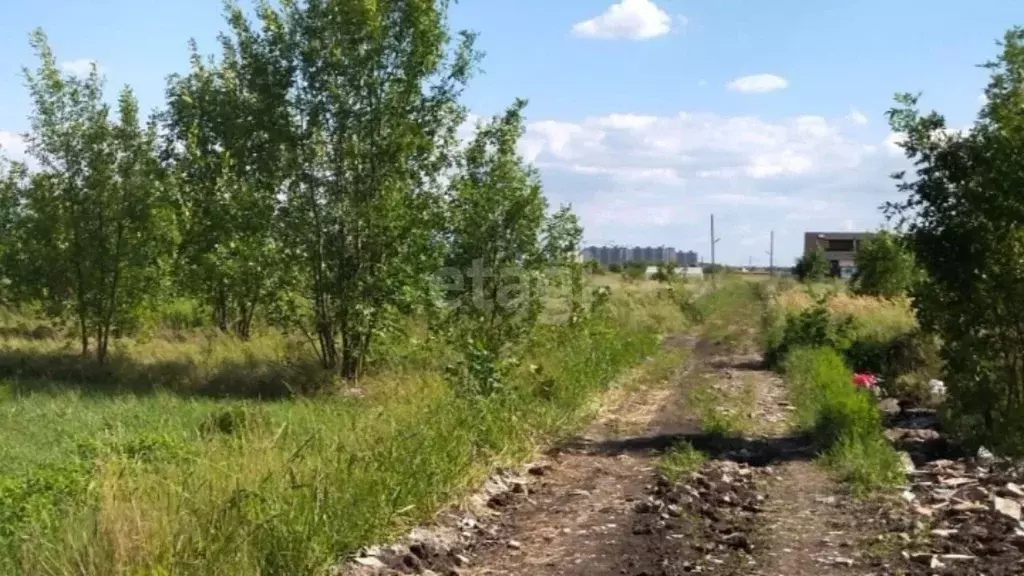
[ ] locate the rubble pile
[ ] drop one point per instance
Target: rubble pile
(968, 517)
(712, 514)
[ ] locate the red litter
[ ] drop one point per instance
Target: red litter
(864, 380)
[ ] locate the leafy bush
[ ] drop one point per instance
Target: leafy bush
(885, 267)
(812, 326)
(812, 267)
(634, 270)
(665, 272)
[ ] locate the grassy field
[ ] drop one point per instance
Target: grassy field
(151, 466)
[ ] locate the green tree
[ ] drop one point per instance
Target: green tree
(501, 238)
(812, 267)
(94, 232)
(227, 132)
(374, 103)
(963, 214)
(13, 179)
(885, 266)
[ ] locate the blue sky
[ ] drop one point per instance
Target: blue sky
(647, 115)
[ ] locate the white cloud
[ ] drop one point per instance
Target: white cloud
(80, 67)
(892, 143)
(629, 19)
(12, 145)
(649, 180)
(702, 83)
(758, 83)
(857, 117)
(982, 99)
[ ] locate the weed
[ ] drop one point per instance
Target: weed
(680, 461)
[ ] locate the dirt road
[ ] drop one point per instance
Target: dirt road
(597, 505)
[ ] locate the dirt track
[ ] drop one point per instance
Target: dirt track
(596, 504)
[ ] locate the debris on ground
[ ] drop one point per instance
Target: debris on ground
(968, 518)
(713, 514)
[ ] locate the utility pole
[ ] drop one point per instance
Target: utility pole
(713, 242)
(771, 255)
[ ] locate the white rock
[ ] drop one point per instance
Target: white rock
(370, 562)
(1014, 489)
(1006, 507)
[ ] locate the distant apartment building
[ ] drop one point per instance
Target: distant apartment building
(687, 259)
(840, 249)
(608, 255)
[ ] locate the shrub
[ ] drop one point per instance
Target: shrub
(593, 267)
(634, 271)
(812, 267)
(665, 272)
(885, 267)
(812, 326)
(842, 419)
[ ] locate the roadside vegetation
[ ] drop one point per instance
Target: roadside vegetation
(292, 312)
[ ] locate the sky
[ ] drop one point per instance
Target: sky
(647, 116)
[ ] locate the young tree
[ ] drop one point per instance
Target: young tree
(375, 104)
(496, 219)
(13, 180)
(811, 267)
(91, 223)
(885, 267)
(962, 213)
(227, 126)
(502, 239)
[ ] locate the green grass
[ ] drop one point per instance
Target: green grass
(730, 314)
(843, 420)
(118, 480)
(680, 461)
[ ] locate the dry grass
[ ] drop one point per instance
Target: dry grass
(871, 315)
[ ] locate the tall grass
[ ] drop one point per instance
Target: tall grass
(166, 483)
(843, 420)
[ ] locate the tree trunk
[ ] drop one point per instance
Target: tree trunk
(220, 308)
(328, 347)
(84, 335)
(102, 338)
(354, 348)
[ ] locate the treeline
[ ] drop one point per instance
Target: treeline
(309, 175)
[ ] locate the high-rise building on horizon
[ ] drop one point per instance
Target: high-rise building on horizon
(608, 255)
